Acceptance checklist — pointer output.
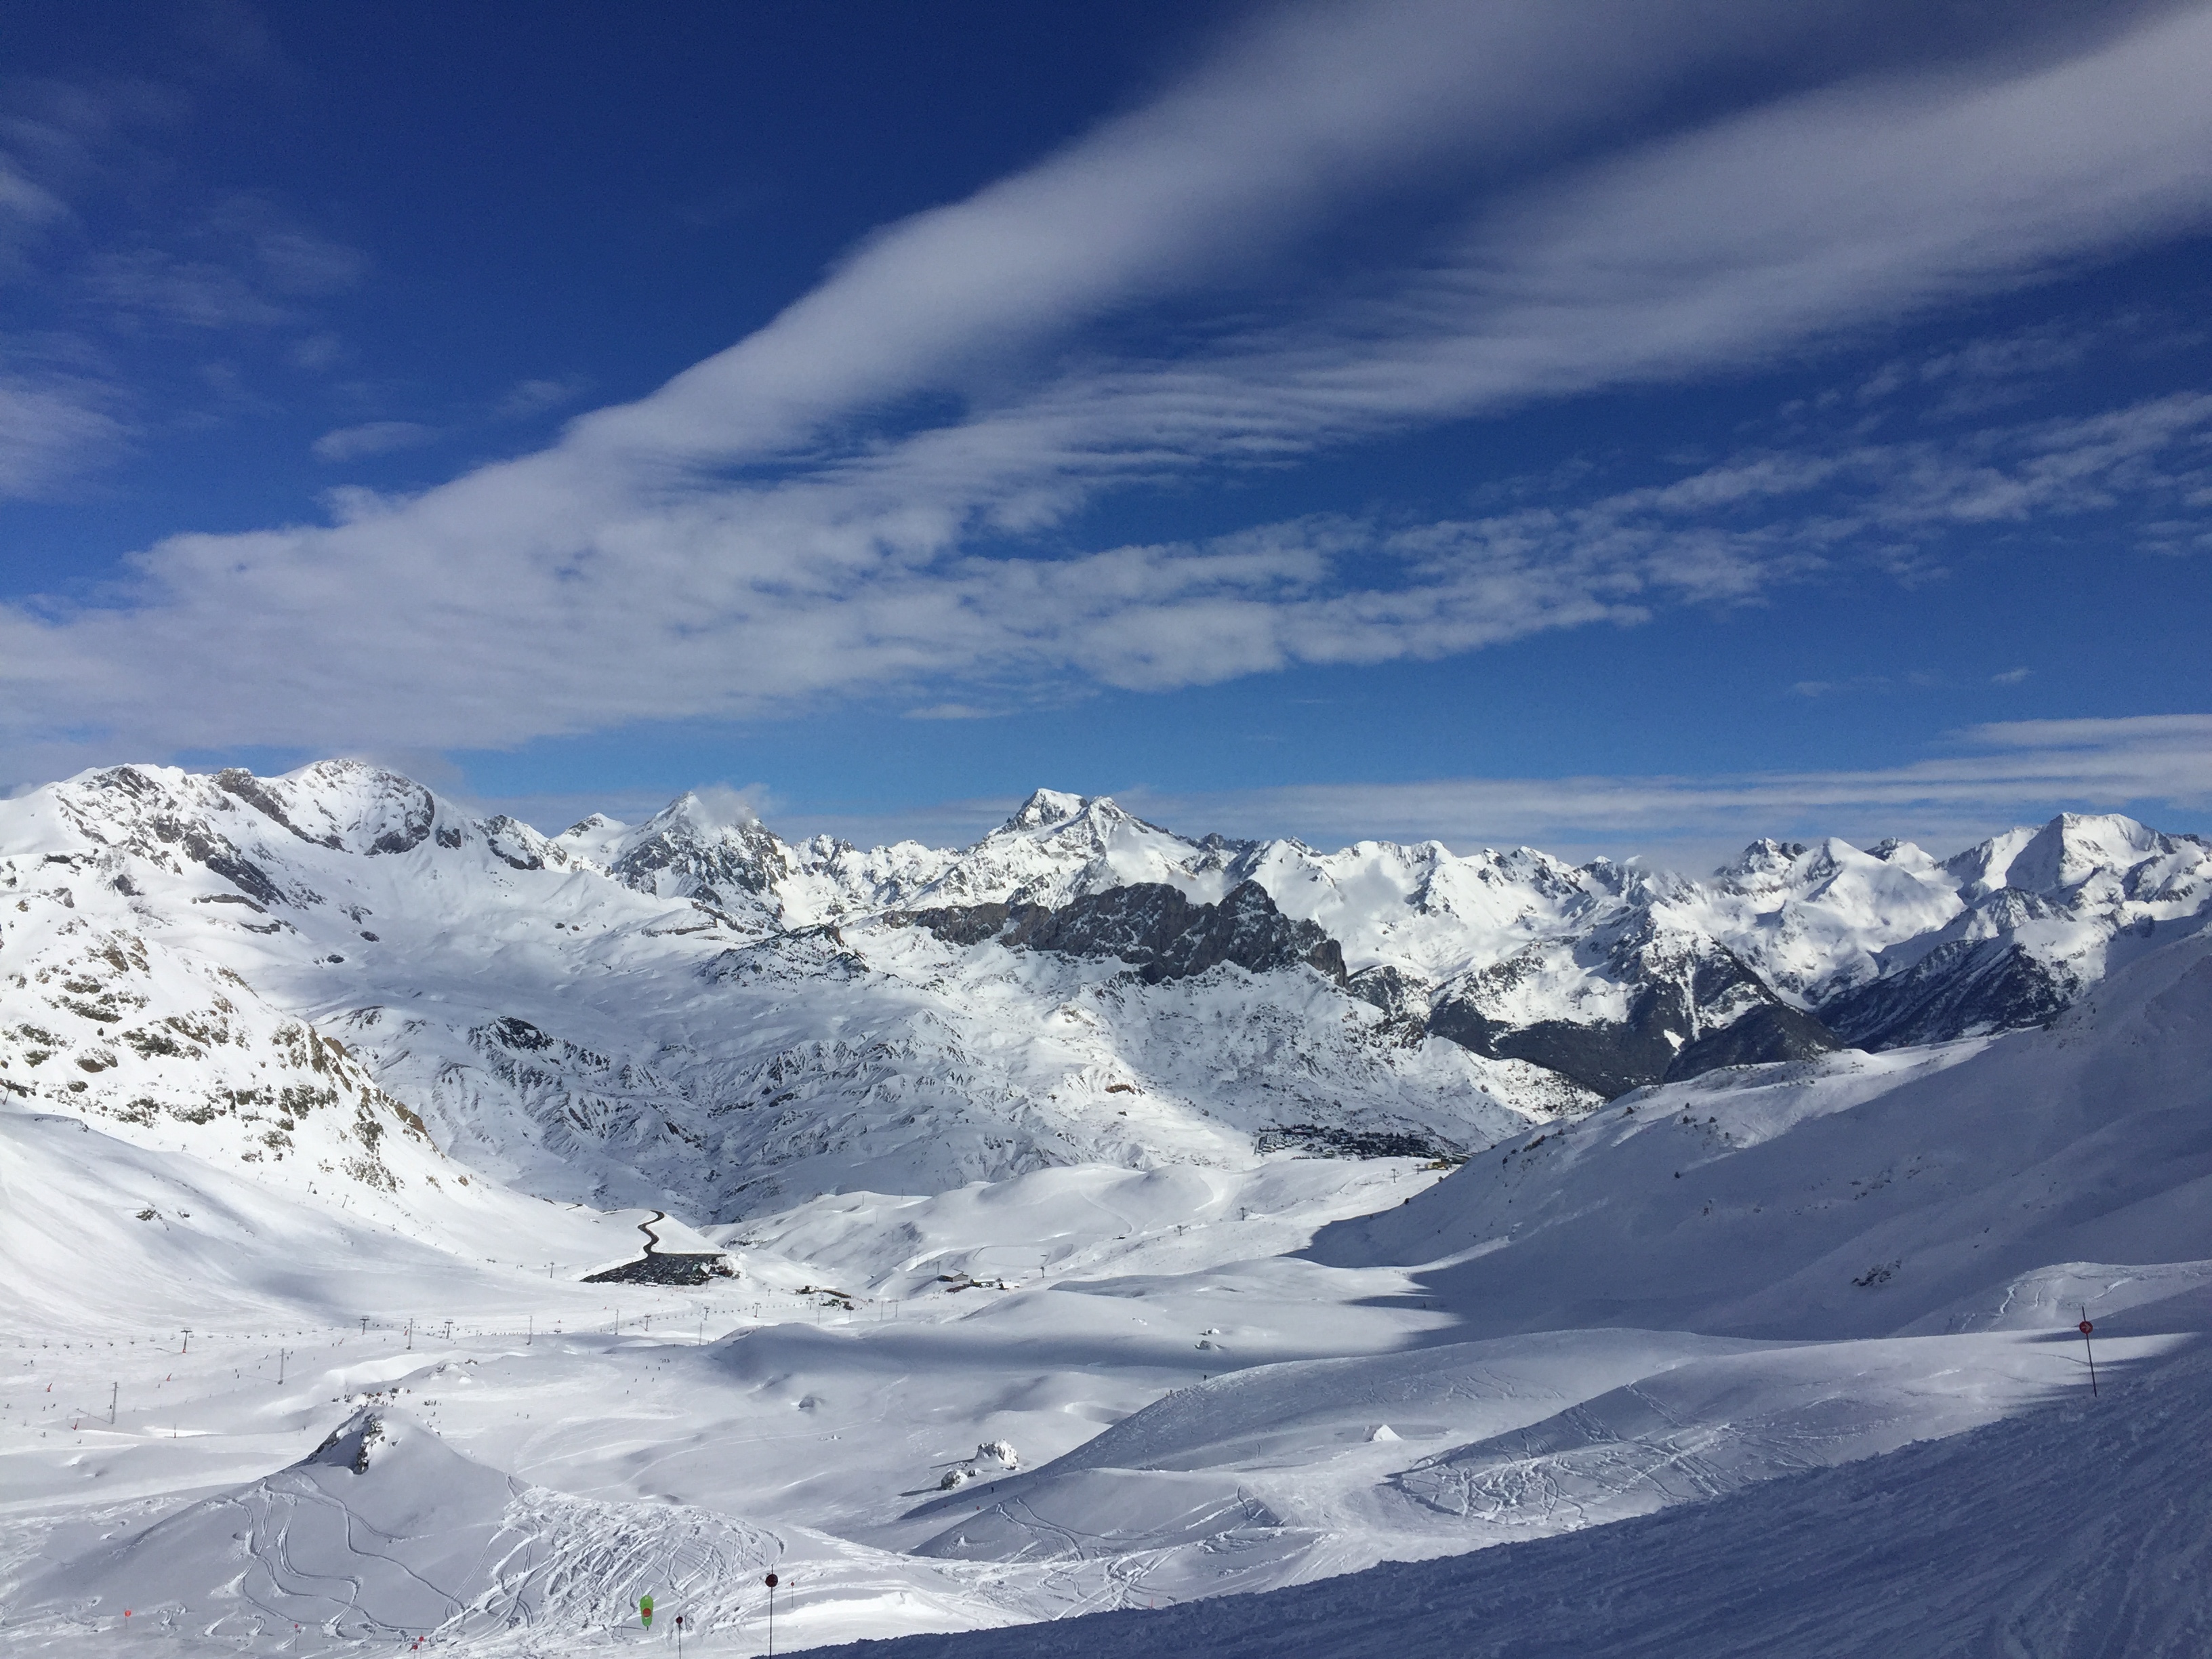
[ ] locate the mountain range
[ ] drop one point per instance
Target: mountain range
(338, 977)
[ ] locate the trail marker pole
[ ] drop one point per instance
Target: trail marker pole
(679, 1636)
(530, 1332)
(2085, 1327)
(770, 1582)
(280, 1368)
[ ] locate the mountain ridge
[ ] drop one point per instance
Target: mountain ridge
(729, 1019)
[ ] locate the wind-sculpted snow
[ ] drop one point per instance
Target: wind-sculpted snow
(384, 1533)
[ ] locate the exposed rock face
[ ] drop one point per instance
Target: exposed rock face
(1692, 1006)
(1400, 994)
(1772, 1032)
(682, 853)
(1961, 989)
(1153, 927)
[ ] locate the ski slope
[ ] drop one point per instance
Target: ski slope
(2082, 1530)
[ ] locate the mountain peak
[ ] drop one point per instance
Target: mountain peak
(592, 824)
(1046, 807)
(1765, 858)
(2074, 845)
(712, 811)
(2056, 856)
(704, 844)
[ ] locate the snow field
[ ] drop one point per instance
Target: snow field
(2080, 1530)
(1334, 1417)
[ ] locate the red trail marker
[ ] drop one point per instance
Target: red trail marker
(2085, 1327)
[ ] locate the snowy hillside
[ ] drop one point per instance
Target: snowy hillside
(1915, 1191)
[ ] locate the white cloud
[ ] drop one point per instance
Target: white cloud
(350, 443)
(636, 570)
(951, 711)
(50, 427)
(767, 603)
(526, 399)
(1322, 104)
(724, 805)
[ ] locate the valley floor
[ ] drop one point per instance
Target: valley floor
(1193, 1407)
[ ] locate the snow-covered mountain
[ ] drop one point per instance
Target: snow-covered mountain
(326, 973)
(295, 1370)
(1740, 1334)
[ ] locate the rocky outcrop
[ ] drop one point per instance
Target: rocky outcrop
(1153, 927)
(681, 853)
(1692, 1006)
(1963, 989)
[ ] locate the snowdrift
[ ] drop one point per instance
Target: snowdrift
(383, 1532)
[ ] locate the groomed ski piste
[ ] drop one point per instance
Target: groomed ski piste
(1778, 1359)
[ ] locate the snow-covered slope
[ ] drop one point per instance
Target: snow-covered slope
(1855, 1195)
(2084, 1528)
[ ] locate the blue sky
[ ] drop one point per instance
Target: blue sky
(1626, 428)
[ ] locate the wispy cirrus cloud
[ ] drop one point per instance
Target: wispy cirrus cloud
(349, 443)
(772, 528)
(123, 271)
(49, 422)
(539, 396)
